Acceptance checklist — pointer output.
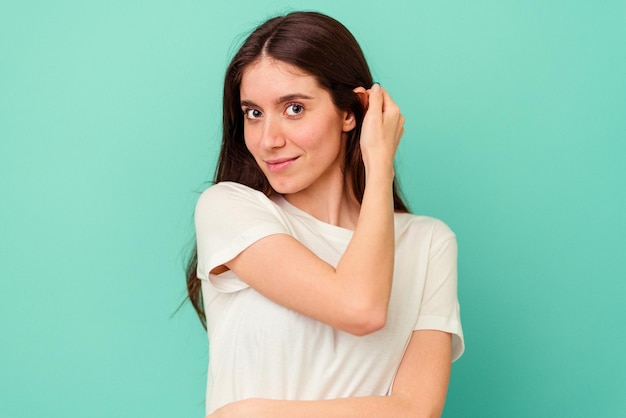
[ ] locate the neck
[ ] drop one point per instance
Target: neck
(334, 204)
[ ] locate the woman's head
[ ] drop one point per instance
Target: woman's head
(317, 45)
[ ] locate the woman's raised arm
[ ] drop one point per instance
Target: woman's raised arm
(354, 296)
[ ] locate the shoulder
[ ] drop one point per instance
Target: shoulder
(229, 190)
(229, 195)
(426, 228)
(229, 201)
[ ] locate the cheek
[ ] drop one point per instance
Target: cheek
(326, 139)
(316, 135)
(304, 136)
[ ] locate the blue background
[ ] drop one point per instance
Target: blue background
(109, 128)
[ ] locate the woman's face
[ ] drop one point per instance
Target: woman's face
(292, 127)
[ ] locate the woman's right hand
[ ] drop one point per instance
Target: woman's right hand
(382, 129)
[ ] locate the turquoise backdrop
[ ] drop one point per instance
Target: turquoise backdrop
(109, 128)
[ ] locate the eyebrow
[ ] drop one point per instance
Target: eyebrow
(281, 99)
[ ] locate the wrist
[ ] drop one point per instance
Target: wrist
(382, 176)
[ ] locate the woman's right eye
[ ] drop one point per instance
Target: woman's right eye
(252, 114)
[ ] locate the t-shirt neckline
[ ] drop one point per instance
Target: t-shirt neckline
(323, 226)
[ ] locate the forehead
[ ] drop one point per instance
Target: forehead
(267, 77)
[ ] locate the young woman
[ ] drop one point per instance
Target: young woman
(321, 294)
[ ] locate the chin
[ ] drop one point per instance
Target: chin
(284, 190)
(285, 187)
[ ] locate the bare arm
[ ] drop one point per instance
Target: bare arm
(354, 296)
(419, 389)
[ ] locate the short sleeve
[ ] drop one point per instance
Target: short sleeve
(440, 307)
(230, 217)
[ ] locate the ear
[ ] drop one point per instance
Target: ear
(363, 96)
(349, 122)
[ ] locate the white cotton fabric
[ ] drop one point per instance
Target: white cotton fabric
(260, 349)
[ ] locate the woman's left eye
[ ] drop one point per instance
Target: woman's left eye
(294, 109)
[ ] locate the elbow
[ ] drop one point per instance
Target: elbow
(367, 321)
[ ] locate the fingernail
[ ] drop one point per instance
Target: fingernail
(376, 86)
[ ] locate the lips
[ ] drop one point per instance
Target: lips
(279, 164)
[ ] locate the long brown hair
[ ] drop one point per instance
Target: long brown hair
(320, 46)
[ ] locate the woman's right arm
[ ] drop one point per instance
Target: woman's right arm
(354, 296)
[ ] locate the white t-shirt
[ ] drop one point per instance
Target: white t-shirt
(260, 349)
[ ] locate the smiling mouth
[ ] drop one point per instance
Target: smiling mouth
(281, 164)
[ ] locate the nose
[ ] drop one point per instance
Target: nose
(272, 135)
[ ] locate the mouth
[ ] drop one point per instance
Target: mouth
(279, 164)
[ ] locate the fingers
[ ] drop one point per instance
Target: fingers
(388, 104)
(376, 99)
(380, 106)
(389, 110)
(383, 126)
